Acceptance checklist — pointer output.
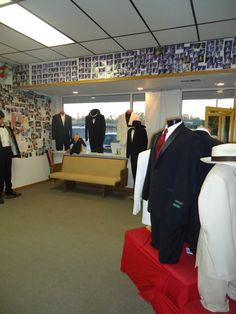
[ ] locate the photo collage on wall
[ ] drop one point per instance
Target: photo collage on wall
(178, 58)
(29, 115)
(21, 75)
(54, 72)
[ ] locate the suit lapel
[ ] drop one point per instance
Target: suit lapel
(171, 139)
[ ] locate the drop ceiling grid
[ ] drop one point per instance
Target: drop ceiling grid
(165, 14)
(176, 35)
(102, 46)
(217, 30)
(16, 40)
(137, 41)
(116, 17)
(45, 54)
(21, 57)
(73, 50)
(119, 19)
(6, 49)
(66, 17)
(214, 10)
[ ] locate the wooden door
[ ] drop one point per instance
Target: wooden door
(221, 122)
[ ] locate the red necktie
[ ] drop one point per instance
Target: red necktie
(161, 141)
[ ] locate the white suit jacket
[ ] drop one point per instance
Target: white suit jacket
(216, 251)
(122, 127)
(139, 204)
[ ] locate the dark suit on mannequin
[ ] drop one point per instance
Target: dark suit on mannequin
(136, 143)
(6, 154)
(207, 142)
(171, 186)
(95, 128)
(62, 133)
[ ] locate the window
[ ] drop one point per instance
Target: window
(139, 106)
(194, 105)
(111, 106)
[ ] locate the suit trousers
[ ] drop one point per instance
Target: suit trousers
(213, 293)
(5, 169)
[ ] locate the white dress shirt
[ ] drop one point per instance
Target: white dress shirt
(5, 138)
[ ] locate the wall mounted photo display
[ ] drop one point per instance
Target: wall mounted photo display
(128, 63)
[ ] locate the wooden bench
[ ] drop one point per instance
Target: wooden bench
(108, 171)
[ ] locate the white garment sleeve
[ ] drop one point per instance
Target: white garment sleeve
(139, 205)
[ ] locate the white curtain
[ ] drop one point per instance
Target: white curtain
(159, 107)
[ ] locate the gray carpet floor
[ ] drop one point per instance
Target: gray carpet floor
(60, 253)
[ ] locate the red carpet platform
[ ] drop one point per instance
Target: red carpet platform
(170, 289)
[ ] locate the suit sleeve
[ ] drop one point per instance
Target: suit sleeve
(82, 142)
(86, 128)
(146, 186)
(53, 127)
(128, 144)
(144, 140)
(103, 128)
(139, 181)
(70, 126)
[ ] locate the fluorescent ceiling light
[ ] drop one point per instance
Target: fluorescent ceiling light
(139, 88)
(75, 92)
(220, 84)
(4, 2)
(28, 24)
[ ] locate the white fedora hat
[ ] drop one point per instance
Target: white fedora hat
(222, 154)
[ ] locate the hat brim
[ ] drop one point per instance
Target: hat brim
(209, 161)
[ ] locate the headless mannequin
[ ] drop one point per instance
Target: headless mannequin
(62, 130)
(136, 143)
(124, 122)
(127, 115)
(177, 162)
(95, 127)
(94, 112)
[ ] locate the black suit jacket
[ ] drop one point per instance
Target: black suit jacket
(139, 142)
(172, 186)
(62, 134)
(136, 145)
(95, 131)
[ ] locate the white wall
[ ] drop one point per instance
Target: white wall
(26, 171)
(160, 106)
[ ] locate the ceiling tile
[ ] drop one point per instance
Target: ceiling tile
(137, 41)
(102, 46)
(73, 50)
(45, 54)
(5, 60)
(108, 15)
(217, 30)
(161, 14)
(177, 35)
(214, 10)
(66, 17)
(21, 57)
(6, 49)
(17, 40)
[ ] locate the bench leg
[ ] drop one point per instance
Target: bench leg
(69, 185)
(106, 190)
